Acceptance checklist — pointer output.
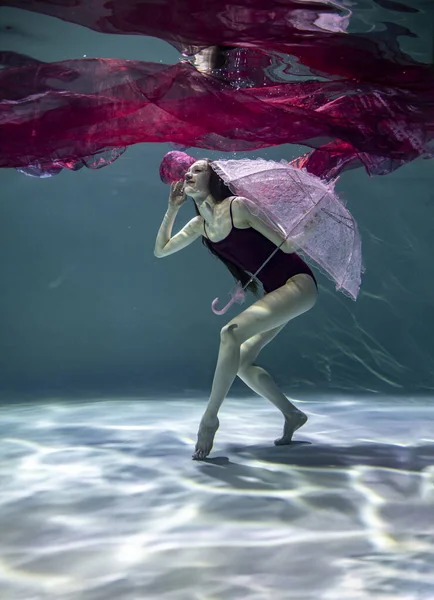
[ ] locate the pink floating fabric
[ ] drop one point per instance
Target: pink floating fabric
(55, 114)
(376, 108)
(314, 32)
(175, 165)
(306, 209)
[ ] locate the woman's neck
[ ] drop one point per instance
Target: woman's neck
(206, 207)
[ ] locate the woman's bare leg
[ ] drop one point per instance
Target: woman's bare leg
(275, 309)
(261, 382)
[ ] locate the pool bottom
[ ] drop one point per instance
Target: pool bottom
(101, 500)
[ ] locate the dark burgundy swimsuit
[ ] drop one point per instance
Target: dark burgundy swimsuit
(249, 249)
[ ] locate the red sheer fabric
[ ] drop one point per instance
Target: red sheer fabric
(75, 109)
(314, 32)
(375, 108)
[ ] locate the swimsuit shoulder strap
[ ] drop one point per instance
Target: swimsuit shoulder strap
(230, 209)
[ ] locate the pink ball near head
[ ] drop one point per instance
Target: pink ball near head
(175, 165)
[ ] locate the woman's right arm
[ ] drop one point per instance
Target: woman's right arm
(165, 244)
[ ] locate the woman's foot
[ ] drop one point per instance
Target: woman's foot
(293, 421)
(205, 437)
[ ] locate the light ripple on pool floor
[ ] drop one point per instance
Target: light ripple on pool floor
(102, 501)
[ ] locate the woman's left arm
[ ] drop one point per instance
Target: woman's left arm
(249, 212)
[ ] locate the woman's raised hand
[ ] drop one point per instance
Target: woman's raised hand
(177, 194)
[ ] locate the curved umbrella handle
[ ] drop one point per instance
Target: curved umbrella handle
(237, 295)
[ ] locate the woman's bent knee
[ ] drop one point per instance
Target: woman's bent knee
(228, 333)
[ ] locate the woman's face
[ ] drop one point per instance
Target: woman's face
(197, 178)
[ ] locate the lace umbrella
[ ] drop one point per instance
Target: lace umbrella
(306, 209)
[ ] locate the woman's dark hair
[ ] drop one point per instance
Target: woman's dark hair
(219, 56)
(220, 191)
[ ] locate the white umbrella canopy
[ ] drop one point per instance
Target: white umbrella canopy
(306, 209)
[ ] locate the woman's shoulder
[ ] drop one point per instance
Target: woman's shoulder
(238, 202)
(240, 212)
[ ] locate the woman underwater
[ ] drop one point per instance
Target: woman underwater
(242, 240)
